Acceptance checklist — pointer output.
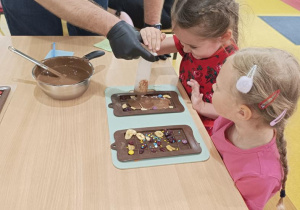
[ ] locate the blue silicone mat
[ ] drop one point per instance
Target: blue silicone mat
(152, 120)
(288, 26)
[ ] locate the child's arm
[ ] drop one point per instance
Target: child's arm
(203, 108)
(157, 41)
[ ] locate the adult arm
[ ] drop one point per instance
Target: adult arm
(82, 13)
(92, 17)
(152, 11)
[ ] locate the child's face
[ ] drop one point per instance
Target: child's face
(199, 47)
(223, 100)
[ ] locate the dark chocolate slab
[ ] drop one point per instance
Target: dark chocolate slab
(178, 132)
(118, 100)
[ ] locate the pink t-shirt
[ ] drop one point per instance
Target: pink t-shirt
(256, 172)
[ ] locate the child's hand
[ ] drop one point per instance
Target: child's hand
(152, 37)
(196, 97)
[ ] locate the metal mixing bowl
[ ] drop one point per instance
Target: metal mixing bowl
(67, 92)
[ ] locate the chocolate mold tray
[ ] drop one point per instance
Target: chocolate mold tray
(4, 91)
(121, 103)
(155, 142)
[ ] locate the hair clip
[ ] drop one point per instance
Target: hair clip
(265, 103)
(280, 117)
(245, 83)
(282, 193)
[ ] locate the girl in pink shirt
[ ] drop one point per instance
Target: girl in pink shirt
(254, 94)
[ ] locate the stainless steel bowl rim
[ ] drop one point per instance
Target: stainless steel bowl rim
(88, 78)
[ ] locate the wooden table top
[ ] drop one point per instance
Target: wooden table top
(56, 154)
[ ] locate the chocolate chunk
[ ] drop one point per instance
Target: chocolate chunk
(153, 150)
(162, 149)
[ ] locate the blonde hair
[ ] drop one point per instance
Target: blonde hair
(276, 70)
(213, 17)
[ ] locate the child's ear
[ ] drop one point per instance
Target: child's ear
(244, 113)
(227, 36)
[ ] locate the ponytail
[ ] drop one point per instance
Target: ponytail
(281, 145)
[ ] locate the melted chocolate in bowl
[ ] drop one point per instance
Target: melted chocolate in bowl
(75, 70)
(73, 75)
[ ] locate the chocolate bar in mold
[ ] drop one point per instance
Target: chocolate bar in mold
(4, 92)
(154, 102)
(173, 141)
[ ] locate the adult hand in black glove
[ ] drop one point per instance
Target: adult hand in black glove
(162, 57)
(124, 42)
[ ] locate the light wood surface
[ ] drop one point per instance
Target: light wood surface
(56, 154)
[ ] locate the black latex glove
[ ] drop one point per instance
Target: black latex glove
(162, 57)
(124, 42)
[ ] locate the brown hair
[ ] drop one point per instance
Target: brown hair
(213, 17)
(276, 70)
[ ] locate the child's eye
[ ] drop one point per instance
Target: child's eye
(192, 47)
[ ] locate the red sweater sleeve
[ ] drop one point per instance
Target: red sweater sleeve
(178, 45)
